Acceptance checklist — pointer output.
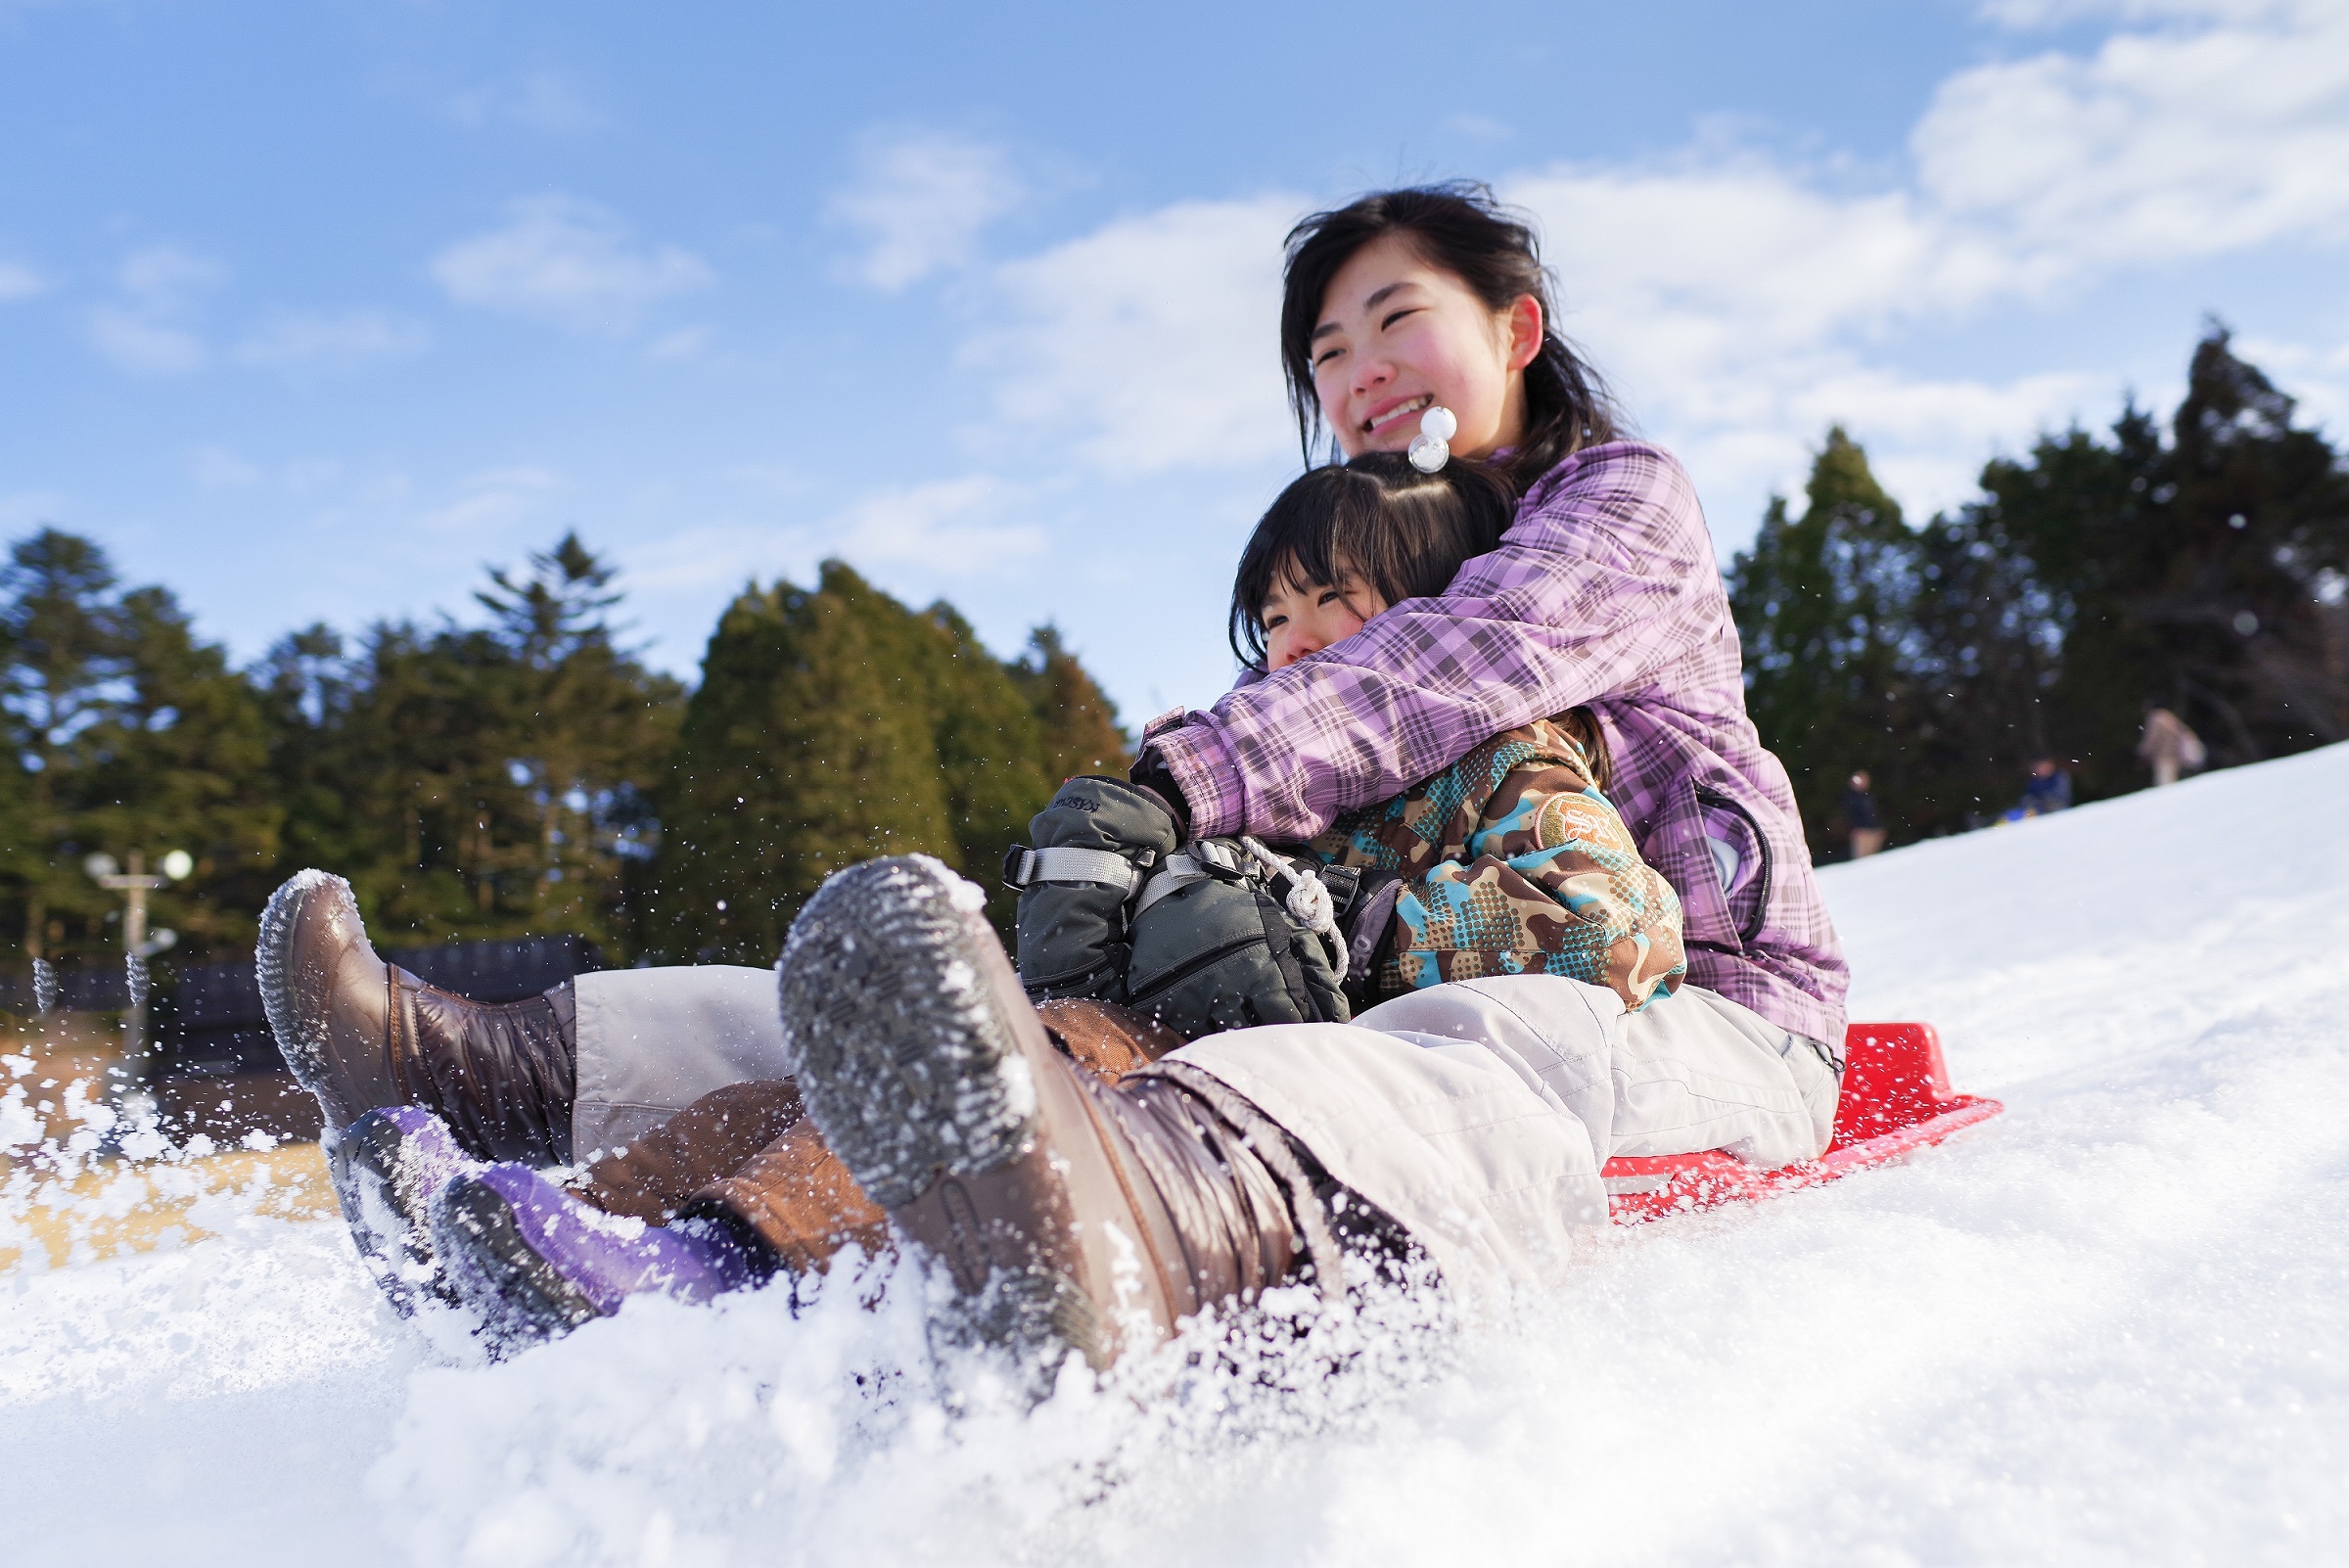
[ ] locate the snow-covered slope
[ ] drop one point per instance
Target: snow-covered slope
(2110, 1326)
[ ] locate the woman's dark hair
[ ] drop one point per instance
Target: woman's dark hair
(1461, 228)
(1377, 521)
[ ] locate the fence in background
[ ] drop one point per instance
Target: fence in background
(212, 1066)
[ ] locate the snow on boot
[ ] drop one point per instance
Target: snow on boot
(535, 1262)
(387, 1167)
(1069, 1215)
(359, 1034)
(797, 1196)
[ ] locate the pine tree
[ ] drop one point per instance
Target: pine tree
(2198, 574)
(477, 782)
(808, 747)
(63, 649)
(1989, 638)
(1823, 606)
(586, 722)
(128, 735)
(1081, 731)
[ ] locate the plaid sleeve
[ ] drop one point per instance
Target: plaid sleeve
(1606, 577)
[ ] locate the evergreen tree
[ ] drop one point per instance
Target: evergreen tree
(1989, 645)
(585, 725)
(1823, 605)
(1081, 731)
(64, 650)
(2198, 574)
(477, 782)
(808, 747)
(128, 735)
(990, 748)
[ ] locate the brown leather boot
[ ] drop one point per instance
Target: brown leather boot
(1070, 1214)
(714, 1137)
(359, 1034)
(743, 1155)
(801, 1203)
(1109, 1040)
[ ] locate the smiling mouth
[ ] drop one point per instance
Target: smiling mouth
(1403, 410)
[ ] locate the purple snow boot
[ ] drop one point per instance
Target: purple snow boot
(535, 1262)
(387, 1165)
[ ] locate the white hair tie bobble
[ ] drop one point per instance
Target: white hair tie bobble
(1431, 448)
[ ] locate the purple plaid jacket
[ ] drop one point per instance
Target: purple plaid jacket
(1605, 593)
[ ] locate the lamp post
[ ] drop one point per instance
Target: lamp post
(138, 947)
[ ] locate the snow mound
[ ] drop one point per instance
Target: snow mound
(2110, 1326)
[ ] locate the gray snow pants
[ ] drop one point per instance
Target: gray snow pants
(1477, 1114)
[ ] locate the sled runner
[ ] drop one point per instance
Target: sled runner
(1895, 1098)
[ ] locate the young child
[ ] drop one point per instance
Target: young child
(1510, 862)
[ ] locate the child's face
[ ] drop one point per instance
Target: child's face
(1305, 617)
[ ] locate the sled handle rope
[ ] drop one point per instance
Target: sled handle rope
(1308, 900)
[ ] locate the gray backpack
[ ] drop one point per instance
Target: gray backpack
(1222, 934)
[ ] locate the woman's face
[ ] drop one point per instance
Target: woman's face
(1397, 335)
(1300, 619)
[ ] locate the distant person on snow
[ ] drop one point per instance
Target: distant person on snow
(908, 1073)
(2169, 746)
(1859, 814)
(2047, 789)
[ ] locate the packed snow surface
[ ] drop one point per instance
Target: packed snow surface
(2111, 1326)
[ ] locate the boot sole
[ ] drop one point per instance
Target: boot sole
(521, 1298)
(373, 1186)
(273, 966)
(920, 1084)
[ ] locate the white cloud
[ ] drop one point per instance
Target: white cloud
(956, 528)
(145, 347)
(550, 101)
(919, 201)
(947, 526)
(565, 261)
(687, 342)
(492, 502)
(164, 277)
(2038, 14)
(2161, 145)
(146, 333)
(1743, 303)
(304, 340)
(1151, 343)
(217, 467)
(19, 281)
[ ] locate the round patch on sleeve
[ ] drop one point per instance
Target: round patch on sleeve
(1579, 819)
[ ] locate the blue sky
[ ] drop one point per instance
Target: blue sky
(313, 311)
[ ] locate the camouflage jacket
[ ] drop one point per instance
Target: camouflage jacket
(1513, 862)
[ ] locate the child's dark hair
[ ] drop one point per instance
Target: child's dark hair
(1376, 520)
(1463, 229)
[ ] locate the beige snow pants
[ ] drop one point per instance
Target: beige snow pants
(1477, 1114)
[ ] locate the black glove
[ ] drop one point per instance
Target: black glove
(1215, 947)
(1096, 844)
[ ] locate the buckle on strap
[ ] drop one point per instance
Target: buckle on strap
(1203, 862)
(1024, 868)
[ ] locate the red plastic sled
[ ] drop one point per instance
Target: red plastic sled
(1896, 1097)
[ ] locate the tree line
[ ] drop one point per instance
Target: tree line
(2203, 567)
(530, 775)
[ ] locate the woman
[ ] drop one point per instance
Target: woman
(1604, 592)
(1469, 1119)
